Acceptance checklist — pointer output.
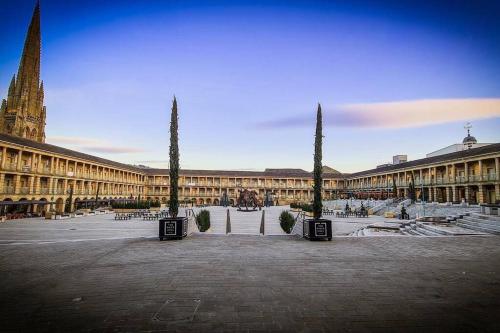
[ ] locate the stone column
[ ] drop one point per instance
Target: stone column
(39, 164)
(51, 167)
(17, 184)
(31, 184)
(2, 182)
(454, 193)
(32, 162)
(38, 181)
(466, 173)
(480, 162)
(466, 193)
(4, 158)
(497, 170)
(497, 192)
(448, 196)
(51, 185)
(480, 193)
(19, 160)
(434, 194)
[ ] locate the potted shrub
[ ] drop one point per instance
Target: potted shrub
(317, 228)
(173, 227)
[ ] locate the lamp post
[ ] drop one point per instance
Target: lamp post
(423, 197)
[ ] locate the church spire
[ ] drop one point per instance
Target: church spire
(28, 75)
(23, 114)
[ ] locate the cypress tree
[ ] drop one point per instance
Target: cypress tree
(318, 168)
(174, 162)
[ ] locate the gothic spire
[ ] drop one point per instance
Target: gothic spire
(12, 86)
(28, 76)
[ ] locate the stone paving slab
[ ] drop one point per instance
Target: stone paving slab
(252, 284)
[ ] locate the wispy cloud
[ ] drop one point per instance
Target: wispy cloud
(152, 162)
(71, 140)
(92, 145)
(397, 114)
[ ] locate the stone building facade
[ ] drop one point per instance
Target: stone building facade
(35, 176)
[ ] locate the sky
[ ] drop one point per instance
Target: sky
(392, 77)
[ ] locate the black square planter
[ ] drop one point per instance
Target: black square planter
(173, 228)
(315, 229)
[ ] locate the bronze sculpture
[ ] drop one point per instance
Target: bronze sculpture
(248, 198)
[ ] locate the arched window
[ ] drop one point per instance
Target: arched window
(27, 133)
(33, 134)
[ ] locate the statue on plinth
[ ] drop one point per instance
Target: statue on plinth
(248, 198)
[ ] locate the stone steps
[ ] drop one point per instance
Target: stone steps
(217, 220)
(245, 223)
(481, 222)
(486, 222)
(435, 231)
(477, 226)
(494, 218)
(272, 222)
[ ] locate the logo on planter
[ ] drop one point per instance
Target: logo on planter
(170, 228)
(320, 229)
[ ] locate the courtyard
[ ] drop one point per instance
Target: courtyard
(93, 274)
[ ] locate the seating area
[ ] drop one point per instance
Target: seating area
(349, 213)
(123, 216)
(145, 214)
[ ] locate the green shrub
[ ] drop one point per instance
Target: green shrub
(286, 221)
(203, 220)
(300, 205)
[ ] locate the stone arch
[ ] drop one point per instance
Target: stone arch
(209, 201)
(33, 134)
(27, 133)
(216, 202)
(231, 202)
(6, 209)
(42, 207)
(60, 205)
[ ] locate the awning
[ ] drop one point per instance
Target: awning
(25, 202)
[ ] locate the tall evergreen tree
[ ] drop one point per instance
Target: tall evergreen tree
(318, 168)
(174, 161)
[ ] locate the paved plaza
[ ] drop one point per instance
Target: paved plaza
(94, 274)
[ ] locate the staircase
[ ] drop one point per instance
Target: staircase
(480, 222)
(272, 222)
(245, 223)
(217, 219)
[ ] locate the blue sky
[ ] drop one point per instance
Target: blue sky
(393, 77)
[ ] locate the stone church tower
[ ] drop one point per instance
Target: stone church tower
(23, 113)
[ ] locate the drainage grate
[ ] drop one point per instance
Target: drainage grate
(178, 310)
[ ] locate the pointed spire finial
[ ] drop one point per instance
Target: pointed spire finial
(12, 86)
(468, 126)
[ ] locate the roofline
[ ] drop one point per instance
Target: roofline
(484, 150)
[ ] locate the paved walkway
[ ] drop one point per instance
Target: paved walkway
(246, 283)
